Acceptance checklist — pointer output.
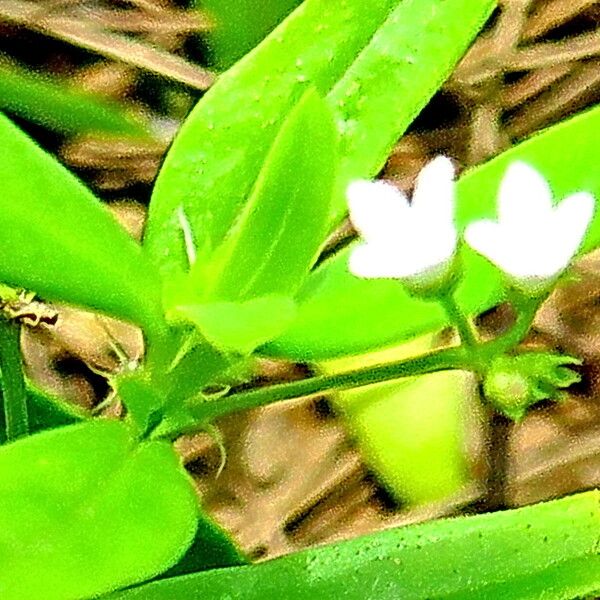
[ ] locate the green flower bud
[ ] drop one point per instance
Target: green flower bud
(514, 383)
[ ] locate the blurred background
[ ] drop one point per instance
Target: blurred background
(104, 86)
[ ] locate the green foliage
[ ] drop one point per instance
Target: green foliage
(412, 434)
(545, 551)
(276, 238)
(60, 107)
(142, 401)
(247, 194)
(14, 394)
(240, 25)
(45, 411)
(375, 313)
(514, 383)
(86, 510)
(58, 240)
(242, 297)
(241, 326)
(360, 56)
(212, 548)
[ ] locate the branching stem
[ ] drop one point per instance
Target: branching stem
(14, 393)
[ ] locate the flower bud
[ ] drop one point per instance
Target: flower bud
(514, 383)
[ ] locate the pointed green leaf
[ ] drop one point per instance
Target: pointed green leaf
(377, 64)
(85, 510)
(545, 551)
(241, 326)
(376, 313)
(276, 238)
(239, 26)
(62, 107)
(58, 240)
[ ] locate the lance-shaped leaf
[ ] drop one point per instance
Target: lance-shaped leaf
(243, 297)
(376, 63)
(57, 239)
(56, 105)
(375, 313)
(544, 551)
(239, 26)
(241, 326)
(276, 237)
(86, 510)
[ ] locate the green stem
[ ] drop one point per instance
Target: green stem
(462, 323)
(472, 358)
(526, 312)
(13, 382)
(440, 360)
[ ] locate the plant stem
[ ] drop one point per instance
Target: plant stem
(440, 360)
(13, 382)
(472, 358)
(500, 427)
(462, 323)
(498, 458)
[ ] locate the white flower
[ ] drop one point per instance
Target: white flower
(533, 242)
(414, 242)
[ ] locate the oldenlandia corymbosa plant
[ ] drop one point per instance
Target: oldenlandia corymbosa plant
(231, 271)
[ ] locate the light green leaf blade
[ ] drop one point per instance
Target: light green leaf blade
(239, 26)
(529, 553)
(360, 56)
(276, 238)
(241, 326)
(47, 411)
(58, 240)
(60, 107)
(374, 313)
(412, 434)
(212, 548)
(86, 510)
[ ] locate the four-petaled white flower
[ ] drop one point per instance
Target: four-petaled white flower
(532, 241)
(414, 242)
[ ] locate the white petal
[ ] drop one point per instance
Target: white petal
(373, 262)
(513, 255)
(434, 190)
(377, 209)
(432, 246)
(485, 237)
(571, 220)
(400, 261)
(524, 198)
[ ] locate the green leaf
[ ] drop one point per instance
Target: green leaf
(14, 394)
(375, 313)
(212, 548)
(361, 56)
(60, 107)
(276, 238)
(241, 326)
(239, 26)
(529, 553)
(142, 401)
(58, 240)
(411, 433)
(46, 411)
(85, 511)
